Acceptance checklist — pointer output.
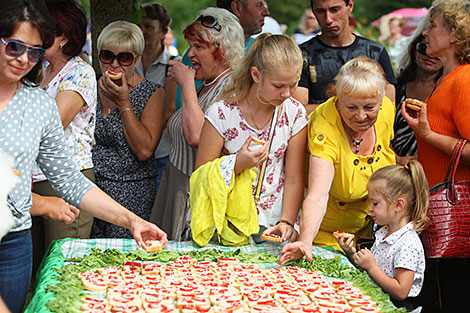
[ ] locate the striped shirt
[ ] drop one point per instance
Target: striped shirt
(183, 156)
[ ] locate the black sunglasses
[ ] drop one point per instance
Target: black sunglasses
(209, 22)
(123, 58)
(421, 48)
(14, 48)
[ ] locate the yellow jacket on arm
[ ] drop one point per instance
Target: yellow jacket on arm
(221, 201)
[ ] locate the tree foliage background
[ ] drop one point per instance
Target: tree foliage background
(286, 12)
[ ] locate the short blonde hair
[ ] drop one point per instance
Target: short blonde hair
(456, 14)
(407, 182)
(361, 77)
(122, 35)
(268, 53)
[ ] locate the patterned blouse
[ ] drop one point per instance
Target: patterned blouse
(78, 76)
(229, 121)
(30, 131)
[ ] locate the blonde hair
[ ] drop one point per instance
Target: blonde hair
(121, 35)
(456, 14)
(269, 53)
(408, 182)
(361, 77)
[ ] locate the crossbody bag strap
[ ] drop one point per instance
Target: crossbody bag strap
(272, 129)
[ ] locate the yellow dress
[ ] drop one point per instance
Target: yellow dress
(347, 208)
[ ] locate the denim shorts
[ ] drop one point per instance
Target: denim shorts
(16, 251)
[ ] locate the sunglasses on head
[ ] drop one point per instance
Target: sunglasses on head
(421, 48)
(14, 48)
(209, 22)
(123, 58)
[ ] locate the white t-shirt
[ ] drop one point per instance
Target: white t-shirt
(402, 249)
(228, 120)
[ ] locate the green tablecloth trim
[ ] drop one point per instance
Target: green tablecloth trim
(53, 260)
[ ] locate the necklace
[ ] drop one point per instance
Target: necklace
(215, 79)
(356, 142)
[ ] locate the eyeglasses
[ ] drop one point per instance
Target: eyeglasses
(15, 49)
(209, 22)
(123, 58)
(421, 48)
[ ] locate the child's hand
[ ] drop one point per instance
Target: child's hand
(365, 259)
(346, 243)
(247, 158)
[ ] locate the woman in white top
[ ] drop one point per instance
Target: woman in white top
(72, 83)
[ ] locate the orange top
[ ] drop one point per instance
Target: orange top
(448, 110)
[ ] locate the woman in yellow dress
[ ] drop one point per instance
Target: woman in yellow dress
(348, 139)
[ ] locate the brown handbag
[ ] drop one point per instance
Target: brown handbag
(448, 235)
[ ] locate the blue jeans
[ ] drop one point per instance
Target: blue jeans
(16, 259)
(161, 163)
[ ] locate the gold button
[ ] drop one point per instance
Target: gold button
(320, 137)
(356, 162)
(370, 161)
(341, 203)
(379, 147)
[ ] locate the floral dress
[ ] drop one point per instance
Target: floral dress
(118, 172)
(229, 121)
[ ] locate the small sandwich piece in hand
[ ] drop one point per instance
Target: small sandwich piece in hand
(346, 235)
(115, 76)
(414, 104)
(152, 245)
(270, 237)
(256, 143)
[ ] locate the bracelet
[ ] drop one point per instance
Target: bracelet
(125, 110)
(285, 222)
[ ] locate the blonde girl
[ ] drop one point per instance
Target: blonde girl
(399, 201)
(264, 80)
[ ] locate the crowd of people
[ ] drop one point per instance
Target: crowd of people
(113, 157)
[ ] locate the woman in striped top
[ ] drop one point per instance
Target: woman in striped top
(216, 45)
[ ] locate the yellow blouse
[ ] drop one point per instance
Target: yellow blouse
(347, 208)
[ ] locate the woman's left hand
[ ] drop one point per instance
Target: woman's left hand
(364, 259)
(287, 232)
(143, 230)
(419, 123)
(117, 94)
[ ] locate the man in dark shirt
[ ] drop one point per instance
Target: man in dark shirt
(336, 45)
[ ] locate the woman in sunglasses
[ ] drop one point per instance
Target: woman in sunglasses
(216, 45)
(417, 77)
(30, 130)
(72, 82)
(129, 123)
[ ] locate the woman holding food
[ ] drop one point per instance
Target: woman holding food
(32, 130)
(216, 45)
(442, 122)
(348, 138)
(262, 82)
(129, 123)
(71, 81)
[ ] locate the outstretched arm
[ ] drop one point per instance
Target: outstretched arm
(320, 178)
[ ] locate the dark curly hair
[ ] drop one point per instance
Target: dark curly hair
(70, 20)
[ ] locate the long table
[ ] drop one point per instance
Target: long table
(64, 249)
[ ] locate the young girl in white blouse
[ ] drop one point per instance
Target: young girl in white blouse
(399, 198)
